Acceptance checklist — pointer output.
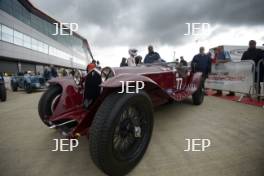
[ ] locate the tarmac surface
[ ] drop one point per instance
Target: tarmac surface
(236, 132)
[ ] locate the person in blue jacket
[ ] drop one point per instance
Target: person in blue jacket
(152, 56)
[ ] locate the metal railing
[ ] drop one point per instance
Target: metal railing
(259, 85)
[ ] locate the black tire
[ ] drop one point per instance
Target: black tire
(28, 88)
(2, 92)
(102, 131)
(14, 86)
(45, 103)
(198, 95)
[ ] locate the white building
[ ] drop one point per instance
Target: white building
(27, 43)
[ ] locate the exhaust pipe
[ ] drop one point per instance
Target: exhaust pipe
(62, 124)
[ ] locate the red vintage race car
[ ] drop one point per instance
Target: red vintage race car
(118, 123)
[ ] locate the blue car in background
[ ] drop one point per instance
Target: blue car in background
(2, 88)
(27, 82)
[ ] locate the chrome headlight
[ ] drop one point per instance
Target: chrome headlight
(77, 77)
(47, 84)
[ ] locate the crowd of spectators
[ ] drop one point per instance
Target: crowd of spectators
(134, 59)
(202, 62)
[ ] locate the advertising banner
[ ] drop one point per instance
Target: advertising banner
(232, 76)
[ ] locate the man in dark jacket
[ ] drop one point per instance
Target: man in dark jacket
(152, 56)
(138, 60)
(183, 62)
(253, 53)
(201, 63)
(46, 74)
(53, 72)
(256, 55)
(124, 62)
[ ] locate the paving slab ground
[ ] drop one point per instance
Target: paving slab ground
(236, 132)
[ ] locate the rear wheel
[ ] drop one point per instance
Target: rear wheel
(2, 92)
(48, 102)
(198, 96)
(28, 87)
(14, 86)
(120, 132)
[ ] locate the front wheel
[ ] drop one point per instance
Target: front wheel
(48, 103)
(120, 132)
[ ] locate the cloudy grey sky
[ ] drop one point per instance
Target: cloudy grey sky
(113, 26)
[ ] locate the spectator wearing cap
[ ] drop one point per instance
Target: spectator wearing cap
(90, 67)
(92, 85)
(152, 56)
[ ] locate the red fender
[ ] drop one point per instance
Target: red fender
(71, 97)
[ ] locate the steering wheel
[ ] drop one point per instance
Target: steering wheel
(107, 73)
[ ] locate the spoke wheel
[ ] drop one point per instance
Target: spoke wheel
(128, 133)
(120, 132)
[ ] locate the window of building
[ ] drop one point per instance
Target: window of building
(0, 32)
(58, 53)
(12, 36)
(45, 48)
(51, 51)
(27, 41)
(40, 47)
(34, 44)
(79, 61)
(16, 9)
(18, 38)
(7, 34)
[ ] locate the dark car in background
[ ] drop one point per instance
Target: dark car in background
(2, 88)
(27, 82)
